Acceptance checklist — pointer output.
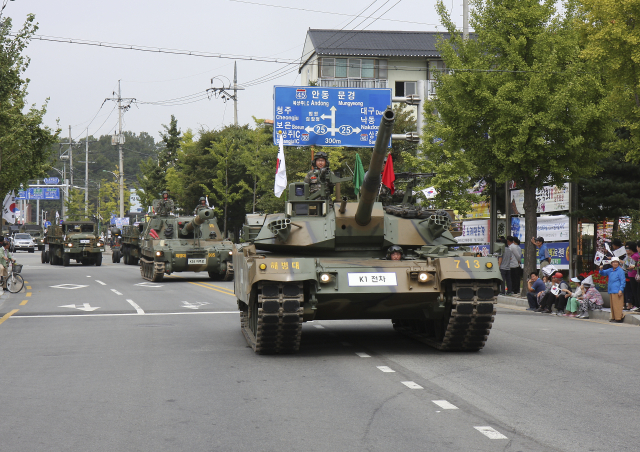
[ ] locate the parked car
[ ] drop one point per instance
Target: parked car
(22, 241)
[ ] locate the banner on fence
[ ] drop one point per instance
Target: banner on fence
(550, 199)
(552, 228)
(474, 231)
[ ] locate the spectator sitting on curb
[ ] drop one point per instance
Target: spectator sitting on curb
(591, 300)
(554, 296)
(573, 303)
(536, 289)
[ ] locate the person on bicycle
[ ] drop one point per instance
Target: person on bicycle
(5, 259)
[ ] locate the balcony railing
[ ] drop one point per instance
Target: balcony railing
(353, 83)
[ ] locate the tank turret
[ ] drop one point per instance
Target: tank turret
(371, 184)
(202, 216)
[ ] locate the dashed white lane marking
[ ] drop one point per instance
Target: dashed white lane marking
(115, 292)
(412, 385)
(100, 282)
(136, 307)
(126, 314)
(320, 327)
(490, 433)
(363, 355)
(385, 369)
(445, 405)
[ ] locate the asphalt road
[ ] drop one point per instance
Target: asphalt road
(96, 359)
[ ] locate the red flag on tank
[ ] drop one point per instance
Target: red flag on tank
(388, 176)
(154, 234)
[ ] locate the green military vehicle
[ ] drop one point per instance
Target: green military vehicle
(130, 248)
(73, 240)
(324, 261)
(183, 244)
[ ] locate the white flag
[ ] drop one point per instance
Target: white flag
(9, 208)
(281, 172)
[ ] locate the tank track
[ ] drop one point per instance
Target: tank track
(465, 327)
(228, 275)
(150, 270)
(272, 323)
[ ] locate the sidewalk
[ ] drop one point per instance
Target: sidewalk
(632, 318)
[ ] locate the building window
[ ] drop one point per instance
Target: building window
(353, 68)
(436, 66)
(341, 67)
(405, 88)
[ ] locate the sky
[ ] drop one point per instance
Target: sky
(77, 78)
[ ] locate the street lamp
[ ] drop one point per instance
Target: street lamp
(117, 176)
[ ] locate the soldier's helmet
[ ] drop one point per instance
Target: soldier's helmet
(395, 249)
(202, 198)
(165, 194)
(321, 155)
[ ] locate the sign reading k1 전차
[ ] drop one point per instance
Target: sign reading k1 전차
(321, 116)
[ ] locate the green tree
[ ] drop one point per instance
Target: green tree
(25, 144)
(519, 103)
(151, 177)
(74, 205)
(611, 31)
(109, 200)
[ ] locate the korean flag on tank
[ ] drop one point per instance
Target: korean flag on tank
(9, 208)
(280, 184)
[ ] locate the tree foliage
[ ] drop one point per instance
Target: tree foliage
(611, 32)
(25, 144)
(519, 104)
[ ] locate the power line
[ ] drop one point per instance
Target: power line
(327, 12)
(140, 48)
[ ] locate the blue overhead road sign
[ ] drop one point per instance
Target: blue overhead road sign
(320, 116)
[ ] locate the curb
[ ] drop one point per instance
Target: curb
(631, 318)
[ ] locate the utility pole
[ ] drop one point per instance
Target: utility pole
(86, 175)
(70, 157)
(120, 142)
(235, 94)
(225, 93)
(465, 19)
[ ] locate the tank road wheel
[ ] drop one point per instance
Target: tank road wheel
(156, 275)
(43, 257)
(47, 258)
(273, 319)
(98, 259)
(467, 321)
(65, 259)
(125, 256)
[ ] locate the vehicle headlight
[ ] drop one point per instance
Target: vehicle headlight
(325, 278)
(230, 253)
(425, 277)
(262, 266)
(159, 253)
(70, 245)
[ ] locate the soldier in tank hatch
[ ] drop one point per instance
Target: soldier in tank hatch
(202, 204)
(320, 169)
(395, 253)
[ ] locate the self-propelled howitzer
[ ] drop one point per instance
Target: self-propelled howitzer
(324, 261)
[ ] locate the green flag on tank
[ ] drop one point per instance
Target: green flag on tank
(358, 174)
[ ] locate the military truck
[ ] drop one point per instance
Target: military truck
(73, 240)
(320, 260)
(130, 248)
(36, 232)
(183, 244)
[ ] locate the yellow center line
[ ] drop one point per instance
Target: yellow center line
(28, 287)
(211, 288)
(23, 302)
(219, 287)
(7, 315)
(28, 294)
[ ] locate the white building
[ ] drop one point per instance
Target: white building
(371, 59)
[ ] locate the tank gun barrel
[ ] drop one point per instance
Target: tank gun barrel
(371, 183)
(202, 216)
